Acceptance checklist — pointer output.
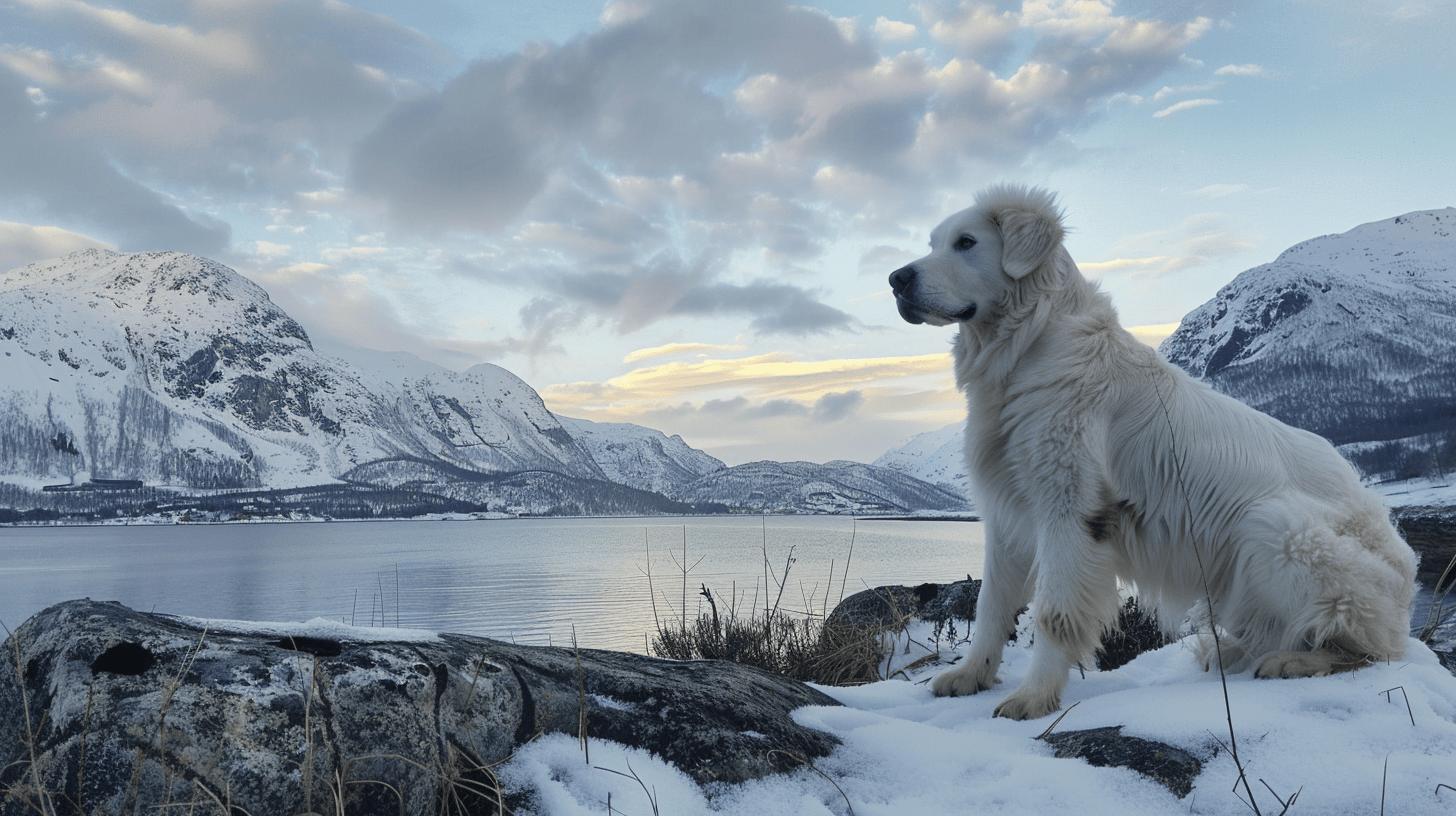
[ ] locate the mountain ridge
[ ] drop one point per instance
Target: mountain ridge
(173, 371)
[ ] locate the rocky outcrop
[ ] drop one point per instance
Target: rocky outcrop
(1431, 532)
(107, 710)
(1109, 747)
(890, 606)
(885, 607)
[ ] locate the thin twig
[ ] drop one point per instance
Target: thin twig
(1208, 597)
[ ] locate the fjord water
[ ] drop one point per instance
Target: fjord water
(529, 580)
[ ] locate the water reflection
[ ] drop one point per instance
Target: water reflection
(530, 580)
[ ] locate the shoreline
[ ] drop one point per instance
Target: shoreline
(18, 525)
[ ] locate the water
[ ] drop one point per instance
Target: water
(529, 580)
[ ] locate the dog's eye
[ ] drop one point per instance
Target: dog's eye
(964, 243)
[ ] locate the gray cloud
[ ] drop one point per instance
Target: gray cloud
(236, 98)
(837, 405)
(632, 95)
(63, 179)
(756, 134)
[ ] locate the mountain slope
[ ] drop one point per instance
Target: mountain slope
(641, 457)
(1351, 336)
(938, 457)
(173, 369)
(806, 487)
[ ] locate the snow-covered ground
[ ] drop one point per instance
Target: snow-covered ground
(906, 752)
(1419, 493)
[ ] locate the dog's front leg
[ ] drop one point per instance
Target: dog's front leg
(1005, 587)
(1075, 600)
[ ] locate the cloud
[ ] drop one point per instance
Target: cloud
(631, 297)
(1247, 69)
(22, 244)
(1220, 190)
(594, 176)
(247, 99)
(1187, 104)
(1195, 242)
(677, 349)
(882, 259)
(837, 405)
(894, 30)
(65, 179)
(271, 249)
(1176, 90)
(978, 30)
(1153, 334)
(768, 376)
(343, 306)
(775, 405)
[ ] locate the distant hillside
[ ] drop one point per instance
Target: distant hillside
(833, 487)
(1351, 336)
(641, 457)
(938, 457)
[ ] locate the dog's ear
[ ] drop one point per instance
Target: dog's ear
(1028, 238)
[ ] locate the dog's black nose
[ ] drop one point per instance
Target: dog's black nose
(902, 278)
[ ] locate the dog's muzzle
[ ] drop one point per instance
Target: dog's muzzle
(902, 283)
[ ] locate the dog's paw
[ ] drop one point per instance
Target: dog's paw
(1287, 665)
(1024, 704)
(964, 680)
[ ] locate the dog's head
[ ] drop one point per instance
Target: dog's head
(978, 255)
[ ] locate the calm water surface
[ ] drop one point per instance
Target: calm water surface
(527, 579)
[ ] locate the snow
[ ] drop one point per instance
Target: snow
(642, 457)
(319, 628)
(174, 369)
(1418, 492)
(938, 457)
(906, 752)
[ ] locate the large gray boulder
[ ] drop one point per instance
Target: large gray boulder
(107, 710)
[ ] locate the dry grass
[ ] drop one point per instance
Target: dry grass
(801, 644)
(1439, 614)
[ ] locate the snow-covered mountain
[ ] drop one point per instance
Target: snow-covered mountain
(176, 372)
(642, 457)
(808, 487)
(173, 369)
(938, 457)
(1351, 336)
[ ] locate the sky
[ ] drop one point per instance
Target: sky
(681, 213)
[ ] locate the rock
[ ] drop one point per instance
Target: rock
(1447, 658)
(133, 711)
(890, 606)
(1109, 747)
(1431, 532)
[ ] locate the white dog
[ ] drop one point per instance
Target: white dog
(1094, 461)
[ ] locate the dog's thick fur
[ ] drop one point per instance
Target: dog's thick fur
(1095, 461)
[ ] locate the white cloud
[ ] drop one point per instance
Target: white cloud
(1185, 105)
(21, 244)
(894, 30)
(1178, 90)
(1220, 190)
(1247, 69)
(270, 249)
